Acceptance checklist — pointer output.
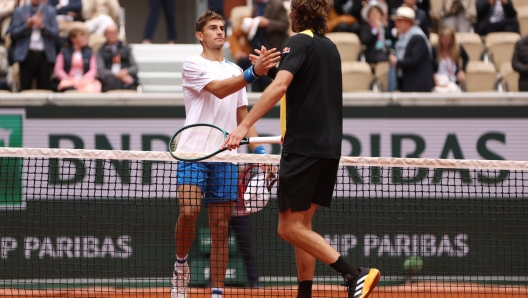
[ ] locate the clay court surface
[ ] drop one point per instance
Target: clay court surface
(422, 290)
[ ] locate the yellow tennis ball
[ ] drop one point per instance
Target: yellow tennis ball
(413, 264)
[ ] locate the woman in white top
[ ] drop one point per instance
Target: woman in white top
(448, 54)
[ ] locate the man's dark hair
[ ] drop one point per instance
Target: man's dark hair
(309, 14)
(206, 17)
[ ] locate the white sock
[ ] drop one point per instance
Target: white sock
(217, 292)
(181, 263)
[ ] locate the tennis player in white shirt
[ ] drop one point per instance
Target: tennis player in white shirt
(214, 92)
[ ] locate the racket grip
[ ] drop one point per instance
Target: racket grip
(265, 140)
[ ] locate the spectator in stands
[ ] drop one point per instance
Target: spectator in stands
(373, 34)
(116, 67)
(68, 11)
(152, 20)
(99, 14)
(345, 16)
(33, 33)
(76, 67)
(424, 5)
(217, 6)
(459, 14)
(413, 61)
(268, 27)
(7, 7)
(422, 19)
(448, 54)
(520, 62)
(496, 16)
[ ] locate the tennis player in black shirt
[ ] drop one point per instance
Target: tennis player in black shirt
(309, 85)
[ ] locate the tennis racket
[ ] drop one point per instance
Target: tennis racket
(200, 141)
(257, 182)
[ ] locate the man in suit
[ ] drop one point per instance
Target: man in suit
(496, 16)
(116, 67)
(34, 30)
(413, 60)
(421, 19)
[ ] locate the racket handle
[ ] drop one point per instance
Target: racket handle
(265, 140)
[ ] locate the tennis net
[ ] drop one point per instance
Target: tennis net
(76, 222)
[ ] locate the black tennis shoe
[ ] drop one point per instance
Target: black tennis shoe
(364, 284)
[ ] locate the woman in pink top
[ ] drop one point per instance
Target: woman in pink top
(76, 66)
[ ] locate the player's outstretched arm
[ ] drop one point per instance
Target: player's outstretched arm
(269, 98)
(223, 88)
(242, 112)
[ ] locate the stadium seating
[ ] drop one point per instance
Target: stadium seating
(433, 39)
(480, 77)
(357, 76)
(510, 78)
(472, 43)
(519, 3)
(237, 13)
(348, 45)
(381, 72)
(160, 65)
(500, 45)
(522, 16)
(435, 7)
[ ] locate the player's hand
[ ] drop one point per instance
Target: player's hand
(233, 138)
(253, 58)
(267, 59)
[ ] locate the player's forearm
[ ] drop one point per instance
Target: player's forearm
(252, 133)
(223, 88)
(268, 100)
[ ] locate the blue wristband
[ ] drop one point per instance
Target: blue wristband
(249, 75)
(259, 150)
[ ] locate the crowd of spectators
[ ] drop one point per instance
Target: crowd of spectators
(404, 28)
(64, 45)
(416, 64)
(74, 45)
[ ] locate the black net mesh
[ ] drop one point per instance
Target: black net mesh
(77, 226)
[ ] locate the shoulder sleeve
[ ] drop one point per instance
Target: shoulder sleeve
(242, 98)
(196, 76)
(294, 52)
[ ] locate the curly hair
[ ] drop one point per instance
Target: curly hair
(206, 17)
(309, 14)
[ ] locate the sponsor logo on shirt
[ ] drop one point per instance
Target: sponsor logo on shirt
(202, 74)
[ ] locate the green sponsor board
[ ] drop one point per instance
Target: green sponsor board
(116, 239)
(11, 186)
(201, 271)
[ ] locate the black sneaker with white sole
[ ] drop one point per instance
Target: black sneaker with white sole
(364, 284)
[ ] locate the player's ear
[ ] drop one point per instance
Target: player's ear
(199, 35)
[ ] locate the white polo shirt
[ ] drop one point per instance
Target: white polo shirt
(202, 106)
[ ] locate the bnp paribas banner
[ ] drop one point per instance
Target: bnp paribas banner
(115, 225)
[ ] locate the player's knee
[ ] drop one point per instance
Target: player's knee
(189, 214)
(219, 232)
(283, 232)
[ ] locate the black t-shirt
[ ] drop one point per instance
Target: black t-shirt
(314, 99)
